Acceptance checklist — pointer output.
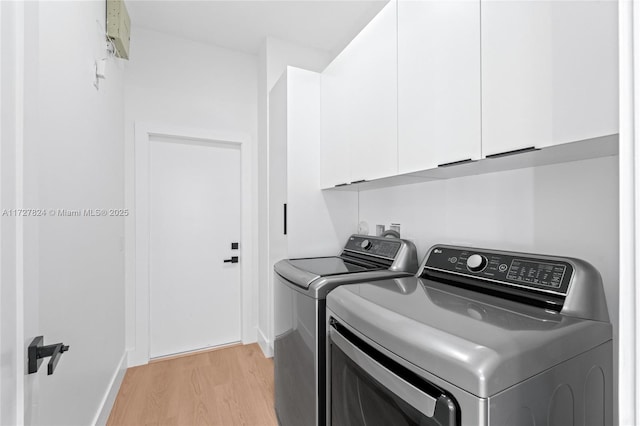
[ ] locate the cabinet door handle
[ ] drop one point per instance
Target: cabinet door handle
(285, 218)
(513, 152)
(359, 181)
(341, 184)
(454, 163)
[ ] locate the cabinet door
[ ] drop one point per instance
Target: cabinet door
(438, 83)
(549, 73)
(277, 170)
(359, 106)
(310, 230)
(335, 166)
(372, 78)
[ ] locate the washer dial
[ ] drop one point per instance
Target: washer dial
(476, 263)
(366, 244)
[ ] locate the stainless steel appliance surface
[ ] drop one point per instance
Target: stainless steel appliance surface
(301, 287)
(478, 337)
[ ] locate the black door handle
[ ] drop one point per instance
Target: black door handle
(37, 351)
(234, 259)
(515, 151)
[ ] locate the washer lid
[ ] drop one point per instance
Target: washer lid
(326, 266)
(477, 342)
(302, 272)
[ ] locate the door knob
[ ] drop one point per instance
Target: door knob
(234, 259)
(37, 351)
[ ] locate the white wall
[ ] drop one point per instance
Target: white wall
(568, 209)
(73, 267)
(275, 55)
(187, 84)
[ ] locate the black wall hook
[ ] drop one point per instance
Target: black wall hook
(37, 351)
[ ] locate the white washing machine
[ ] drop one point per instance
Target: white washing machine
(478, 337)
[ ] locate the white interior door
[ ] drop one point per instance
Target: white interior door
(194, 217)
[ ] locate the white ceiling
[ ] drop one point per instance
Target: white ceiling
(243, 25)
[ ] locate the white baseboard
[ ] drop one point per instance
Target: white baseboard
(110, 395)
(265, 344)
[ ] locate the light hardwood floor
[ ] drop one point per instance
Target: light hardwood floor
(230, 386)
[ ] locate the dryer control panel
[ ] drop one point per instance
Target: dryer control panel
(540, 275)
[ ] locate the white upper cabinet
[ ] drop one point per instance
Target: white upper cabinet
(549, 73)
(438, 83)
(373, 85)
(359, 106)
(432, 82)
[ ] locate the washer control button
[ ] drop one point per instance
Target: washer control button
(503, 267)
(366, 244)
(476, 263)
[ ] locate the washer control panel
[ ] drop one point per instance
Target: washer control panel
(380, 247)
(511, 269)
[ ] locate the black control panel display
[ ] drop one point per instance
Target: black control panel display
(525, 273)
(381, 247)
(545, 274)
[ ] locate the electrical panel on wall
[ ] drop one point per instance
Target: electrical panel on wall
(118, 27)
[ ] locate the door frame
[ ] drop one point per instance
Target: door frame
(140, 353)
(12, 284)
(629, 215)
